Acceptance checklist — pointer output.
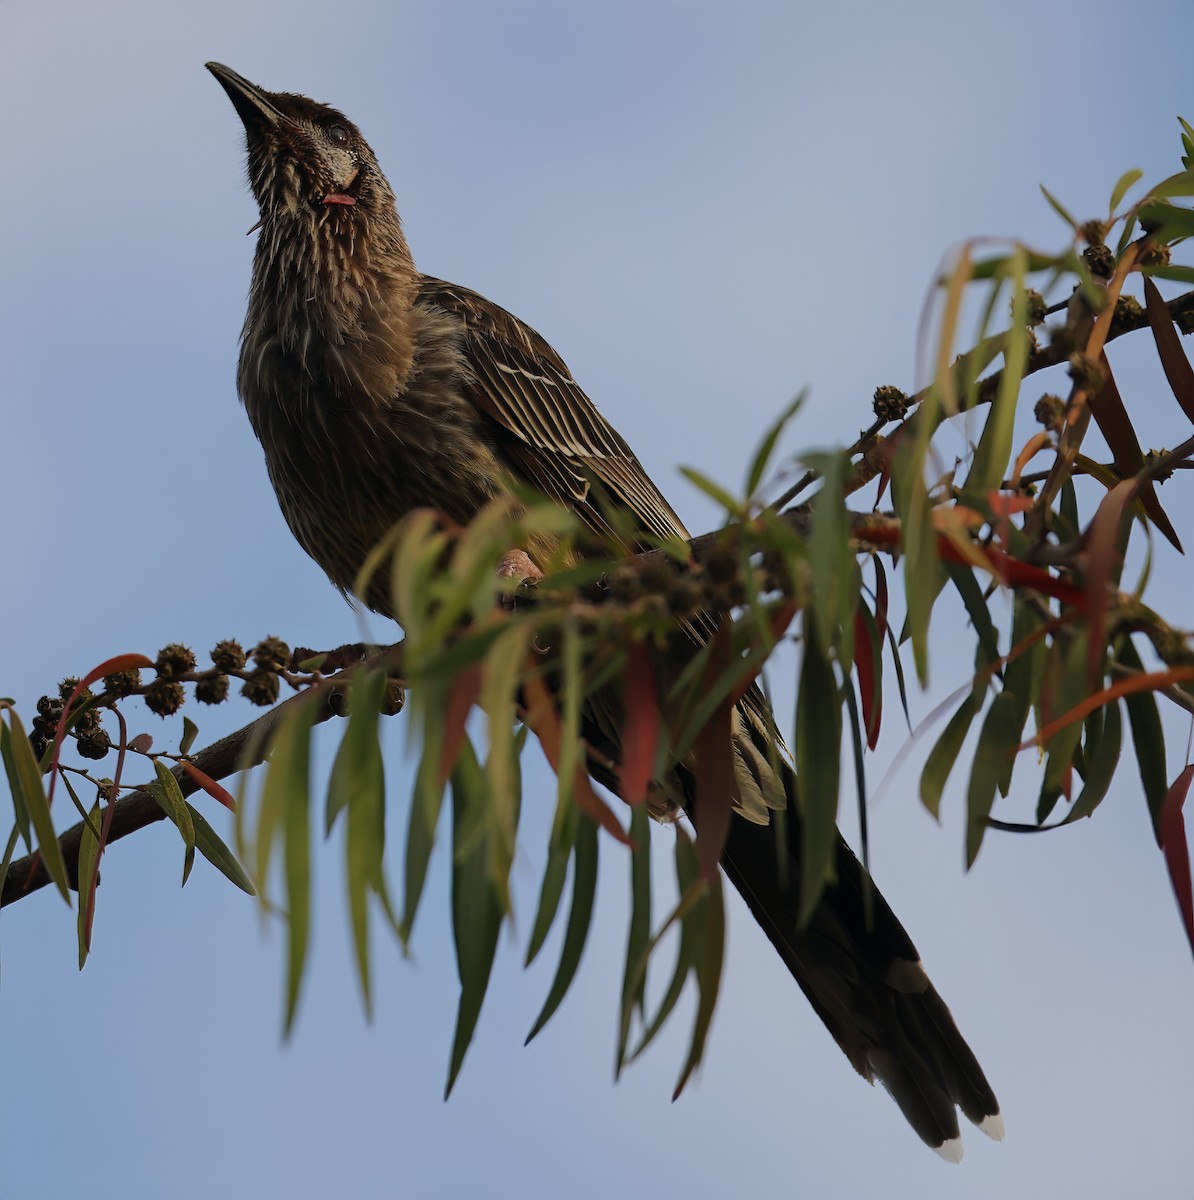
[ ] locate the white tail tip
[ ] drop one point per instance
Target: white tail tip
(952, 1150)
(992, 1126)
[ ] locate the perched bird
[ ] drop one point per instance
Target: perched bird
(375, 390)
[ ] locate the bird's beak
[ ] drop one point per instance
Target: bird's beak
(255, 106)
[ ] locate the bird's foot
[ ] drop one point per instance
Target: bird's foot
(516, 565)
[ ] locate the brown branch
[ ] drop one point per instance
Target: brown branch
(237, 752)
(1038, 360)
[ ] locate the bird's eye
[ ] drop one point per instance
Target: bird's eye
(338, 134)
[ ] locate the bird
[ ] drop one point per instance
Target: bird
(375, 390)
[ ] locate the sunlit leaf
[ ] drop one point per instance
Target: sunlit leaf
(25, 780)
(995, 445)
(1122, 185)
(16, 790)
(169, 795)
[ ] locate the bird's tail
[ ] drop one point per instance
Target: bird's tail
(861, 972)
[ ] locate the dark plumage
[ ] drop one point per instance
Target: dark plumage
(375, 390)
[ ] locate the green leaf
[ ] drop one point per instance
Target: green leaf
(945, 753)
(1148, 738)
(20, 811)
(13, 838)
(190, 731)
(996, 747)
(762, 457)
(1169, 221)
(1058, 208)
(357, 783)
(634, 982)
(1173, 271)
(995, 445)
(560, 849)
(714, 491)
(88, 858)
(502, 676)
(691, 888)
(976, 607)
(1101, 761)
(477, 910)
(1181, 184)
(829, 554)
(286, 810)
(922, 567)
(709, 957)
(420, 838)
(1067, 669)
(169, 796)
(211, 846)
(584, 886)
(818, 751)
(1125, 181)
(1022, 676)
(25, 779)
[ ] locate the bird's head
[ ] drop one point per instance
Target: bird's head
(304, 157)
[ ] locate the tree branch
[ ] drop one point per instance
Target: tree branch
(238, 751)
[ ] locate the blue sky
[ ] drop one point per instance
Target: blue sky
(704, 207)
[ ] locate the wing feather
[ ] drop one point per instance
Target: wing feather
(547, 425)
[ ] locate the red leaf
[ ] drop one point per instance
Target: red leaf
(713, 750)
(1111, 415)
(1009, 571)
(640, 730)
(1175, 849)
(1169, 348)
(780, 619)
(142, 743)
(595, 808)
(209, 785)
(113, 666)
(465, 688)
(544, 721)
(1103, 556)
(864, 664)
(1033, 447)
(1150, 681)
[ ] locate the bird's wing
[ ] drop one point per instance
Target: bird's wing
(554, 434)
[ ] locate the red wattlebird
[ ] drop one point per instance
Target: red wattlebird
(375, 390)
